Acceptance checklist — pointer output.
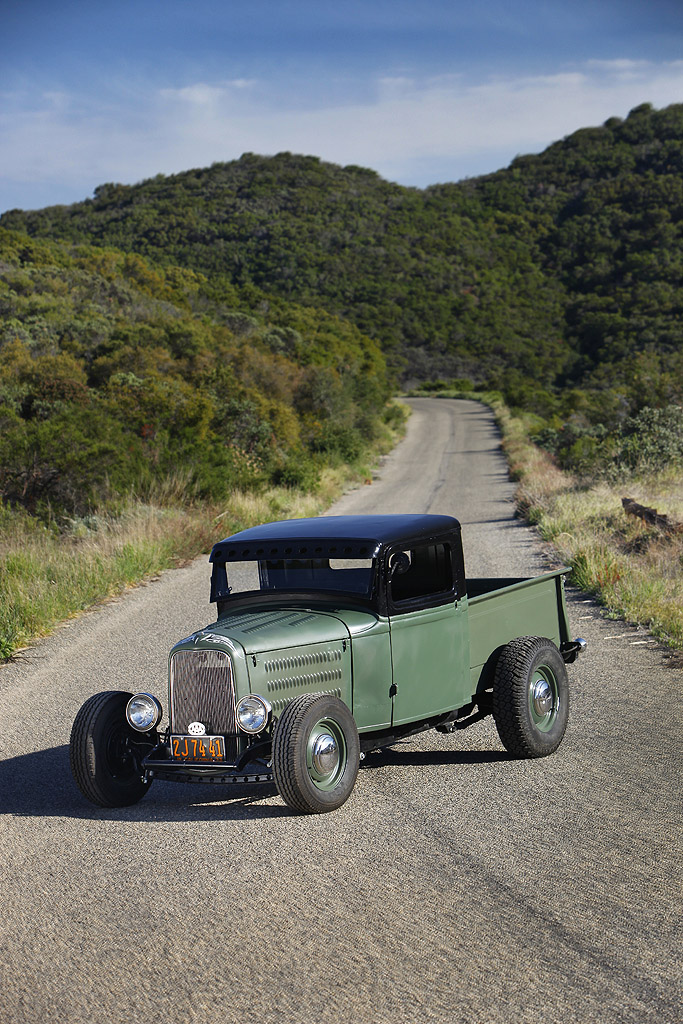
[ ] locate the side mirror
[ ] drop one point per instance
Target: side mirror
(399, 564)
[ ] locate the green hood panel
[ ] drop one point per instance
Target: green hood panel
(359, 623)
(273, 630)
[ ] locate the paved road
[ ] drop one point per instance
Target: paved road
(456, 885)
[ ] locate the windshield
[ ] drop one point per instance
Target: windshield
(345, 575)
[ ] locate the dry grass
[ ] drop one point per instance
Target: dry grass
(635, 570)
(48, 577)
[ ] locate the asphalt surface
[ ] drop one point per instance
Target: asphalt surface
(455, 885)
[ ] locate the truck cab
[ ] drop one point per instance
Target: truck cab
(395, 583)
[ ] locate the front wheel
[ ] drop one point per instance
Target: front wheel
(316, 753)
(105, 752)
(531, 697)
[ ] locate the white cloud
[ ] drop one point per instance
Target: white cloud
(201, 94)
(205, 94)
(447, 117)
(411, 130)
(618, 65)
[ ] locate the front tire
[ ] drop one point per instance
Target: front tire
(316, 753)
(531, 697)
(104, 752)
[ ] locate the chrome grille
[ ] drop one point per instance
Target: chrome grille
(202, 690)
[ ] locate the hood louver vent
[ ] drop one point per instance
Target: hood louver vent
(266, 620)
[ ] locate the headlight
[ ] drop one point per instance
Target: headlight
(143, 712)
(253, 713)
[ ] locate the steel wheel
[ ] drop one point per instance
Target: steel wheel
(316, 752)
(531, 697)
(544, 698)
(326, 754)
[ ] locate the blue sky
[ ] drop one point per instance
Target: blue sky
(421, 91)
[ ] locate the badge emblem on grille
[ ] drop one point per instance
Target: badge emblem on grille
(196, 729)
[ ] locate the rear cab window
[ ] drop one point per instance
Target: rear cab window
(421, 575)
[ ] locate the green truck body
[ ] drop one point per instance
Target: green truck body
(352, 633)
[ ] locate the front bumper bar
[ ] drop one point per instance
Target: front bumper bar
(222, 774)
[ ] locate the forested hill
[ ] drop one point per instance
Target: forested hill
(566, 267)
(118, 376)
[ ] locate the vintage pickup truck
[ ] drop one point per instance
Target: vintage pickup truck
(336, 636)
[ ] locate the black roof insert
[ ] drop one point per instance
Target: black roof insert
(330, 537)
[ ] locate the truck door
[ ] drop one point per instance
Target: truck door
(429, 637)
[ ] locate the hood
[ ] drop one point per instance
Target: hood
(270, 630)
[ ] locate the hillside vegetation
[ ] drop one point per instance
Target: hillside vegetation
(563, 272)
(117, 374)
(145, 412)
(634, 567)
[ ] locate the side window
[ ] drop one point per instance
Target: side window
(420, 572)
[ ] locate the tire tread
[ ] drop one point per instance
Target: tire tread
(510, 696)
(289, 724)
(291, 778)
(83, 756)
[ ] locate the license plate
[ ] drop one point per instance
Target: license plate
(198, 748)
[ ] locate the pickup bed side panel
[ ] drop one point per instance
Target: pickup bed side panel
(534, 607)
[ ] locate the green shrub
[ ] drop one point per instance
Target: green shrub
(68, 461)
(577, 448)
(298, 472)
(345, 442)
(646, 443)
(393, 415)
(652, 440)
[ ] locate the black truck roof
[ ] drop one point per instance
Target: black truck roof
(331, 536)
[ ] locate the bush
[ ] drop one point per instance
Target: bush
(345, 442)
(646, 443)
(394, 415)
(67, 462)
(577, 448)
(300, 472)
(652, 440)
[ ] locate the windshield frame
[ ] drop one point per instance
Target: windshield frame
(222, 593)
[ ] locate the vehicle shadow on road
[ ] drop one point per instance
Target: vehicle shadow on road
(426, 758)
(40, 785)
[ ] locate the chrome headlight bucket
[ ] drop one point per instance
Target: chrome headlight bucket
(253, 713)
(143, 712)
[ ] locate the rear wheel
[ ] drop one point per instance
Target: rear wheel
(105, 752)
(316, 752)
(531, 697)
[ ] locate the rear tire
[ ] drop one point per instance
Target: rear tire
(103, 752)
(316, 753)
(531, 697)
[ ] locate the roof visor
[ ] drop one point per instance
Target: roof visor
(312, 548)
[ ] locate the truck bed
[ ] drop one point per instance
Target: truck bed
(499, 610)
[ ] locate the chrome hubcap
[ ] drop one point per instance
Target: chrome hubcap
(325, 754)
(542, 697)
